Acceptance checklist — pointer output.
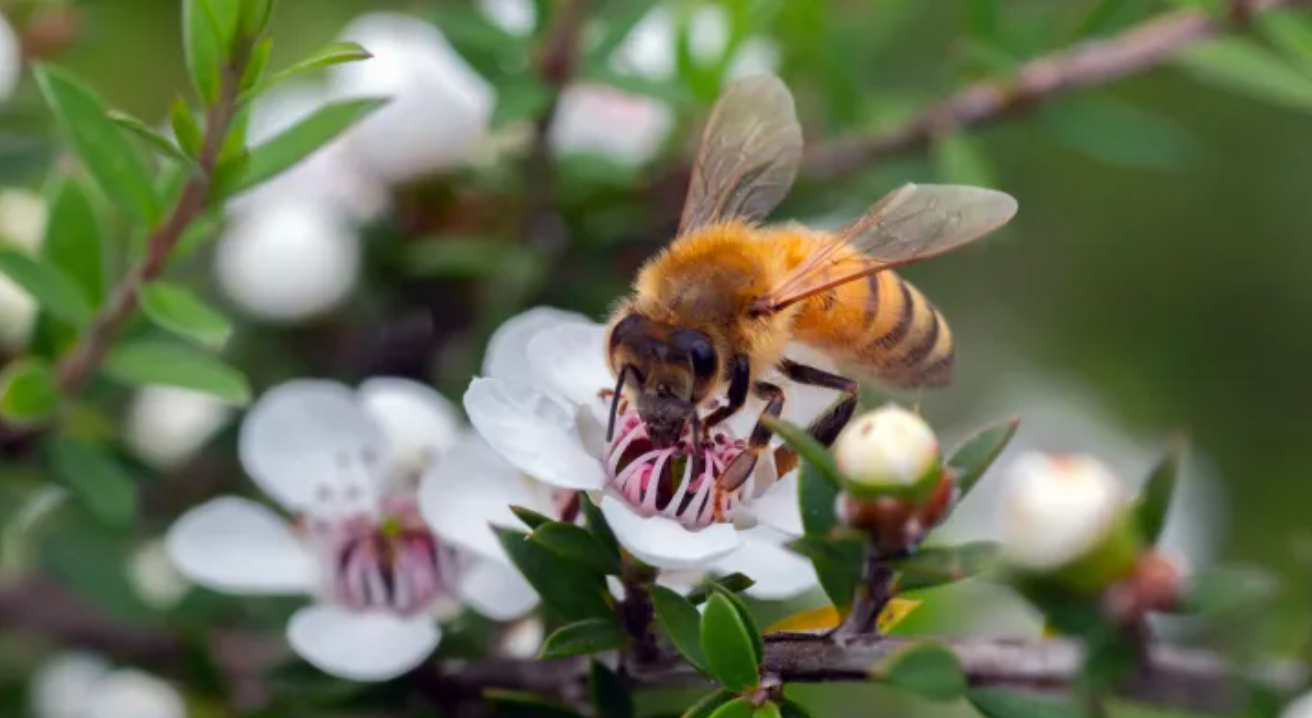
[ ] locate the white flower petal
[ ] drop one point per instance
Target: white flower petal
(533, 432)
(779, 573)
(779, 507)
(570, 361)
(372, 646)
(62, 686)
(132, 693)
(600, 120)
(307, 437)
(516, 17)
(11, 59)
(665, 543)
(523, 639)
(235, 545)
(496, 590)
(471, 488)
(507, 349)
(418, 423)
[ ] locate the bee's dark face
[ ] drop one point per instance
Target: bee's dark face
(671, 368)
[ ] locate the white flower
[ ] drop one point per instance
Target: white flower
(22, 225)
(648, 51)
(167, 425)
(1057, 508)
(1300, 707)
(79, 685)
(155, 578)
(11, 59)
(288, 261)
(439, 106)
(516, 17)
(889, 446)
(601, 120)
(541, 404)
(379, 576)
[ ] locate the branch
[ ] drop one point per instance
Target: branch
(1093, 63)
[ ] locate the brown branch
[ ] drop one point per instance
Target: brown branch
(1097, 62)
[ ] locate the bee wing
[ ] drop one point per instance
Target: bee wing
(749, 155)
(912, 223)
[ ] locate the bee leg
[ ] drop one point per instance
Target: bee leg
(740, 380)
(736, 473)
(825, 428)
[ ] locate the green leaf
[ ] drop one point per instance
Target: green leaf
(255, 16)
(597, 524)
(807, 448)
(75, 241)
(938, 565)
(728, 645)
(96, 478)
(609, 695)
(1225, 591)
(203, 47)
(791, 709)
(28, 392)
(818, 497)
(736, 708)
(1117, 133)
(1288, 30)
(959, 159)
(111, 160)
(745, 614)
(337, 53)
(1248, 68)
(837, 563)
(521, 704)
(90, 560)
(582, 637)
(524, 98)
(1098, 19)
(464, 257)
(568, 590)
(925, 669)
(1155, 499)
(185, 129)
(175, 309)
(53, 291)
(289, 147)
(147, 363)
(157, 142)
(227, 18)
(682, 623)
(977, 454)
(982, 19)
(577, 546)
(1005, 703)
(767, 710)
(734, 583)
(252, 81)
(708, 704)
(531, 518)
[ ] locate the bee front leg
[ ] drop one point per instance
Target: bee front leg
(741, 467)
(740, 380)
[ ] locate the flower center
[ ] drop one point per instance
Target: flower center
(389, 561)
(668, 482)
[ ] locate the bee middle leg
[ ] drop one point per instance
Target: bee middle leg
(826, 427)
(736, 473)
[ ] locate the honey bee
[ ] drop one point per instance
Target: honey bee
(715, 310)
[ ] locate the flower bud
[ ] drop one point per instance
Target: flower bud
(1067, 516)
(888, 452)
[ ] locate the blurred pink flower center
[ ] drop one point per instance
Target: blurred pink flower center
(661, 482)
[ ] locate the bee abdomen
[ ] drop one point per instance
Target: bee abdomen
(907, 341)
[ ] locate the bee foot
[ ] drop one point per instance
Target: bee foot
(736, 473)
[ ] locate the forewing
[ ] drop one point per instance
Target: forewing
(912, 223)
(749, 156)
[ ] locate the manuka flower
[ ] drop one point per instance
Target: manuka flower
(83, 685)
(542, 405)
(344, 463)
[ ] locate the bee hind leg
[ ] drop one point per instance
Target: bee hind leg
(826, 427)
(736, 473)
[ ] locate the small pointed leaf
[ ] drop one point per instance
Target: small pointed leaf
(977, 454)
(28, 392)
(597, 524)
(1155, 498)
(806, 447)
(148, 363)
(203, 48)
(96, 479)
(745, 615)
(682, 623)
(1230, 591)
(736, 708)
(56, 293)
(819, 501)
(1246, 67)
(710, 703)
(570, 591)
(837, 564)
(734, 583)
(728, 645)
(1006, 703)
(767, 710)
(609, 696)
(75, 239)
(582, 637)
(255, 68)
(337, 53)
(925, 669)
(185, 129)
(531, 518)
(577, 546)
(176, 309)
(933, 566)
(159, 143)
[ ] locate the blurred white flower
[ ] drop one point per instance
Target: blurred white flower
(380, 577)
(601, 120)
(156, 579)
(1300, 707)
(22, 225)
(334, 176)
(516, 17)
(541, 405)
(889, 446)
(439, 106)
(289, 261)
(1056, 509)
(11, 59)
(80, 685)
(648, 51)
(167, 425)
(523, 639)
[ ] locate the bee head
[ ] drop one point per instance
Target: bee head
(670, 369)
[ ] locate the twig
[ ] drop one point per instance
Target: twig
(1173, 677)
(871, 597)
(1093, 63)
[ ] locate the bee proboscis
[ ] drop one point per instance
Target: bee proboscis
(714, 311)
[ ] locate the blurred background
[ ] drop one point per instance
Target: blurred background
(1154, 281)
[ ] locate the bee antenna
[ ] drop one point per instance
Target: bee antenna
(615, 404)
